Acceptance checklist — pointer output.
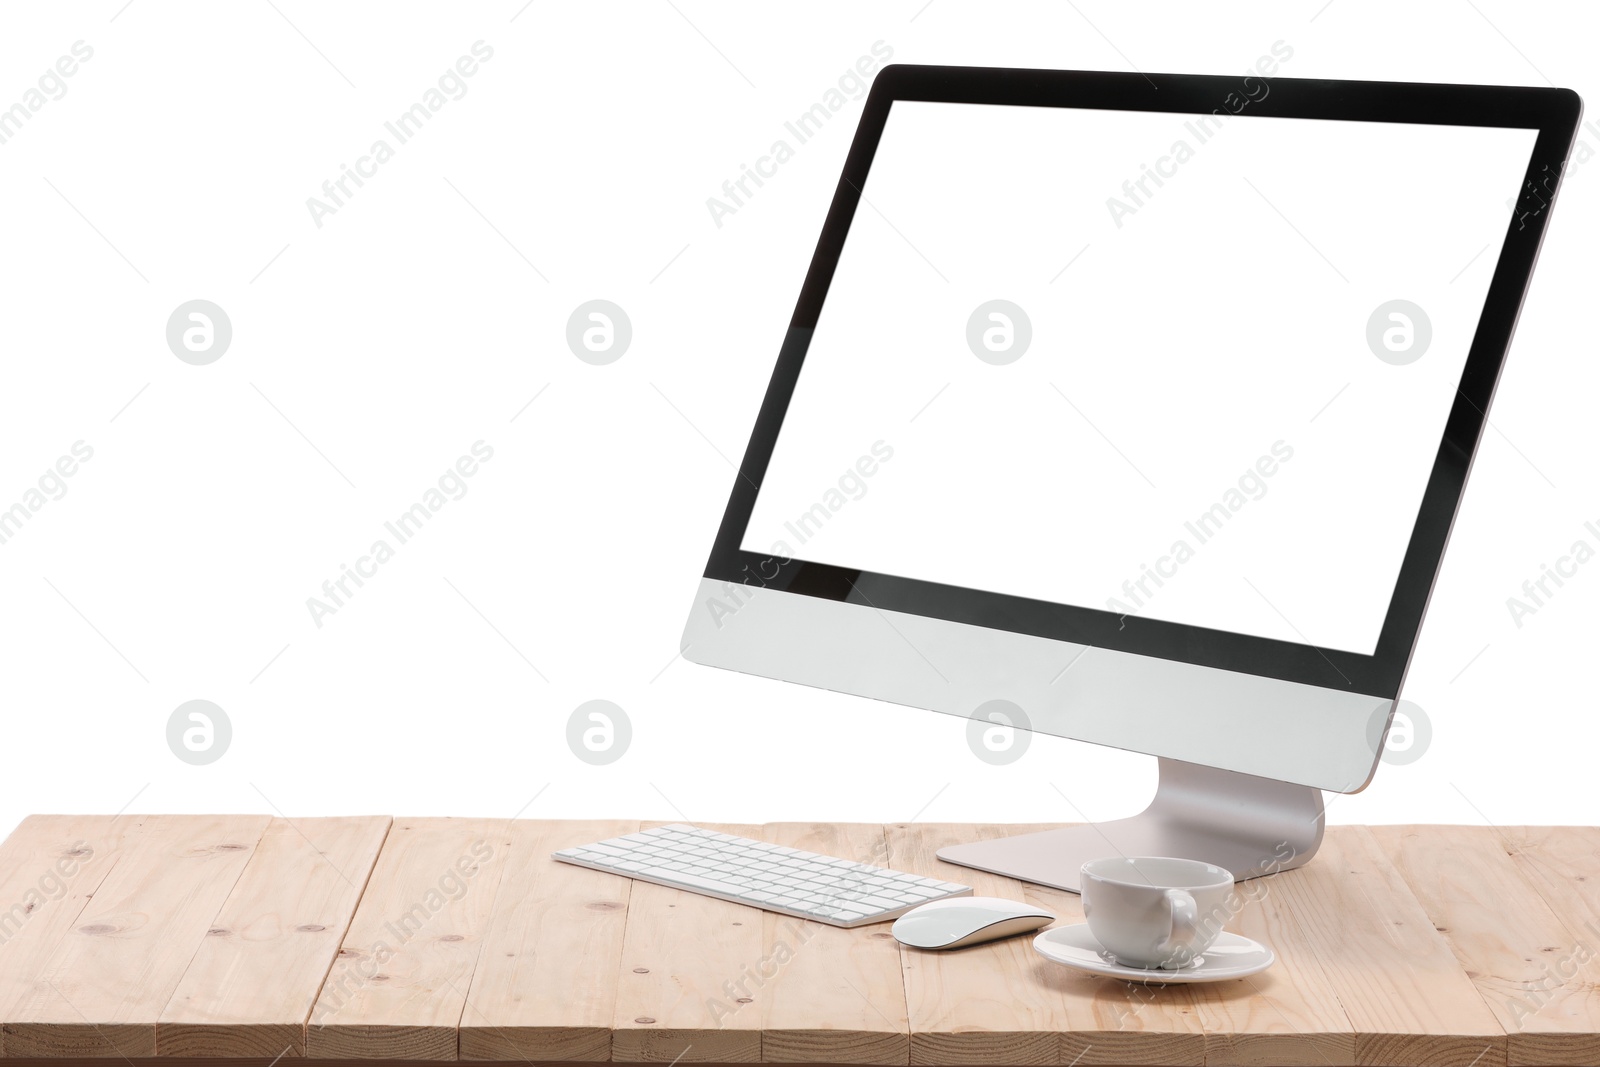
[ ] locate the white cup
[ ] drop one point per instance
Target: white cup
(1155, 911)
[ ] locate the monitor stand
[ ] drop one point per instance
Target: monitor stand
(1248, 825)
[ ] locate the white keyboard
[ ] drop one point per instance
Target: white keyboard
(803, 884)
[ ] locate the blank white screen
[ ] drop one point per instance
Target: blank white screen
(1202, 354)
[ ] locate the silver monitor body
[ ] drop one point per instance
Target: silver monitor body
(1250, 717)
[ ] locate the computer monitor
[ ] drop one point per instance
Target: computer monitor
(1136, 409)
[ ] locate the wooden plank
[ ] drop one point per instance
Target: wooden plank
(253, 982)
(546, 985)
(1407, 997)
(1563, 865)
(1001, 1002)
(50, 866)
(398, 985)
(1539, 975)
(829, 995)
(1287, 1016)
(102, 989)
(678, 951)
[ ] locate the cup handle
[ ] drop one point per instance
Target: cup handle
(1178, 949)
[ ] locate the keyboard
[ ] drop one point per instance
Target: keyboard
(762, 875)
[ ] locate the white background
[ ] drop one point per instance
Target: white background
(1168, 355)
(422, 317)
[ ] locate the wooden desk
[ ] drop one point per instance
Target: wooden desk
(247, 937)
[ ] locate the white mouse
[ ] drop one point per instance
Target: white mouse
(957, 922)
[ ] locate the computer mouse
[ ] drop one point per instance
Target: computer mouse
(957, 922)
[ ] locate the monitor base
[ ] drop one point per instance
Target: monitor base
(1248, 825)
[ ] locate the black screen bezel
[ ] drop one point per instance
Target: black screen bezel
(1555, 113)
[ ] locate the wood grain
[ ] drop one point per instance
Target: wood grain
(252, 984)
(104, 985)
(1563, 864)
(50, 866)
(834, 996)
(1539, 977)
(397, 988)
(546, 984)
(1001, 1002)
(680, 953)
(1287, 1016)
(1407, 998)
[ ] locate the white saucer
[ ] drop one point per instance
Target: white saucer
(1231, 956)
